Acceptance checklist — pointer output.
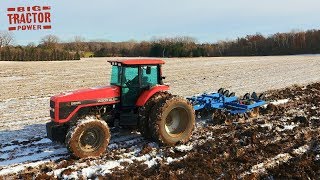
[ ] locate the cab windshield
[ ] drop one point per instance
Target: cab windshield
(129, 76)
(116, 74)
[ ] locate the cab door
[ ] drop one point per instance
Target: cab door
(130, 85)
(149, 76)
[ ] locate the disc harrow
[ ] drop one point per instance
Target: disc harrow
(226, 107)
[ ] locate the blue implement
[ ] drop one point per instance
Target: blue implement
(230, 104)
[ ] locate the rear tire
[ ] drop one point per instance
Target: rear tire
(89, 138)
(145, 111)
(172, 121)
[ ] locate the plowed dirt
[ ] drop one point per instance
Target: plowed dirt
(282, 143)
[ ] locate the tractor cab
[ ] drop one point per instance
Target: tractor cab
(135, 76)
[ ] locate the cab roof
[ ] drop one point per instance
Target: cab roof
(137, 61)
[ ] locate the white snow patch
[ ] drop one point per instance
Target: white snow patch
(17, 168)
(103, 168)
(35, 157)
(149, 159)
(286, 127)
(171, 160)
(269, 125)
(43, 141)
(4, 156)
(184, 148)
(73, 175)
(314, 107)
(280, 158)
(141, 158)
(301, 150)
(9, 148)
(275, 161)
(281, 101)
(152, 161)
(57, 171)
(113, 146)
(290, 127)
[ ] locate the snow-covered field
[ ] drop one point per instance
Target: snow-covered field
(26, 87)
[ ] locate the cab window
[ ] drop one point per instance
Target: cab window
(149, 76)
(116, 75)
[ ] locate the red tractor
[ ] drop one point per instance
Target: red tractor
(136, 98)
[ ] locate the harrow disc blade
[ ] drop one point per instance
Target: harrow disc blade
(226, 93)
(254, 96)
(246, 96)
(205, 113)
(219, 117)
(262, 96)
(221, 90)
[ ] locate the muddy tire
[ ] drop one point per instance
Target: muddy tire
(145, 111)
(89, 138)
(172, 121)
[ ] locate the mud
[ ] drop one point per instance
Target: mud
(228, 157)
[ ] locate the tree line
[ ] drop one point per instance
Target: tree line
(51, 48)
(295, 42)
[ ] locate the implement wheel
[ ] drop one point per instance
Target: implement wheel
(254, 113)
(89, 138)
(145, 111)
(172, 121)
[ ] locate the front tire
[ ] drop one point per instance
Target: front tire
(172, 121)
(89, 138)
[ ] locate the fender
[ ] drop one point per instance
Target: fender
(146, 95)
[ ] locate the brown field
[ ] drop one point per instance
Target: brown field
(26, 87)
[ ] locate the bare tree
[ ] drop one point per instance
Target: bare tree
(222, 46)
(78, 42)
(78, 39)
(50, 41)
(6, 38)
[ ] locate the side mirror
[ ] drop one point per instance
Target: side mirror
(148, 71)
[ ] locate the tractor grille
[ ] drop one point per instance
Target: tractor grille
(65, 110)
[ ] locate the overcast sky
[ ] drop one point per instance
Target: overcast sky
(205, 20)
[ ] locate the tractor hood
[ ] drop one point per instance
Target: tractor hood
(107, 94)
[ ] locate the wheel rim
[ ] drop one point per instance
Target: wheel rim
(91, 139)
(176, 121)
